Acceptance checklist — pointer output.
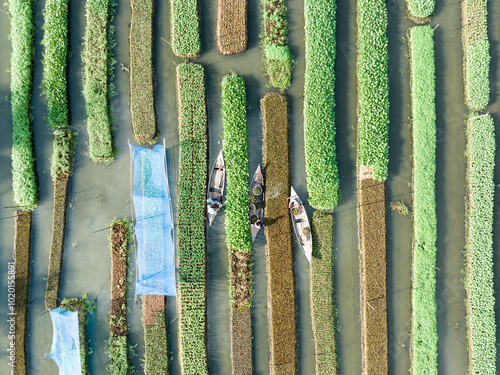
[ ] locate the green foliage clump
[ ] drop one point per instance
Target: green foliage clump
(423, 111)
(191, 104)
(142, 106)
(97, 61)
(24, 182)
(319, 105)
(420, 10)
(235, 146)
(476, 53)
(322, 309)
(185, 28)
(373, 87)
(62, 156)
(480, 317)
(278, 60)
(55, 62)
(119, 352)
(84, 307)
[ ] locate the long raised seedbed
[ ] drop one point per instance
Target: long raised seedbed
(279, 248)
(423, 115)
(238, 238)
(480, 317)
(61, 168)
(97, 67)
(322, 306)
(156, 357)
(476, 53)
(232, 34)
(142, 106)
(319, 105)
(278, 60)
(117, 347)
(192, 113)
(18, 317)
(185, 28)
(55, 63)
(24, 182)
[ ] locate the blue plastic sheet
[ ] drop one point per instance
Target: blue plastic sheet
(65, 350)
(153, 222)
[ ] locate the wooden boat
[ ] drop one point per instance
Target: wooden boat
(301, 225)
(256, 200)
(216, 186)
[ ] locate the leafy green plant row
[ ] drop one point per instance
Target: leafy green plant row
(423, 113)
(55, 62)
(322, 307)
(192, 319)
(24, 181)
(156, 346)
(142, 106)
(191, 105)
(420, 11)
(84, 308)
(185, 28)
(319, 105)
(278, 60)
(373, 87)
(97, 62)
(476, 54)
(480, 317)
(235, 146)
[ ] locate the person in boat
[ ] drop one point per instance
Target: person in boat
(258, 224)
(294, 204)
(213, 206)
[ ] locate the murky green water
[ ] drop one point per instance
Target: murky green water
(98, 193)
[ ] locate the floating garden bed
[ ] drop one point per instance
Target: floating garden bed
(373, 87)
(232, 26)
(117, 347)
(97, 87)
(22, 257)
(476, 53)
(373, 271)
(156, 356)
(278, 60)
(423, 113)
(55, 62)
(185, 28)
(420, 11)
(142, 108)
(322, 308)
(61, 167)
(319, 105)
(480, 317)
(192, 113)
(279, 248)
(238, 238)
(24, 181)
(84, 307)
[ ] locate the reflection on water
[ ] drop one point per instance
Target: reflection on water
(99, 193)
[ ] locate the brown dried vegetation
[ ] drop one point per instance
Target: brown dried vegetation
(22, 256)
(279, 249)
(232, 34)
(241, 341)
(119, 244)
(373, 268)
(61, 191)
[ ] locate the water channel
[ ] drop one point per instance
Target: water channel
(100, 193)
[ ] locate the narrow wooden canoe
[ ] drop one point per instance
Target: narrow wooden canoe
(301, 225)
(216, 186)
(256, 198)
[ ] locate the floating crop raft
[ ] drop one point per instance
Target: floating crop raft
(153, 222)
(65, 350)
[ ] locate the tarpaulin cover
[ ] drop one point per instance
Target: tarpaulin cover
(65, 349)
(153, 222)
